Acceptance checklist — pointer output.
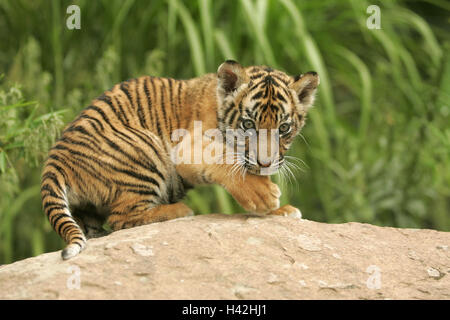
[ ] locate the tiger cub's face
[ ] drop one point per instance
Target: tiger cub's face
(266, 107)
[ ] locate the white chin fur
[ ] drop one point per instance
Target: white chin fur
(268, 171)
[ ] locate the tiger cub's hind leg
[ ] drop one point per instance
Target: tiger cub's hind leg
(123, 217)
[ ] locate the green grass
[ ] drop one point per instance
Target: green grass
(376, 147)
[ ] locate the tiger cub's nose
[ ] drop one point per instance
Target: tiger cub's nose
(264, 164)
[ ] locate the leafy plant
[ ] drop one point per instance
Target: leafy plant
(25, 137)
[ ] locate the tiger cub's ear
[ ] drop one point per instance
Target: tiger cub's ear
(231, 75)
(305, 86)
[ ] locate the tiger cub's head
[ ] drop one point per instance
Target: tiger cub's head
(265, 106)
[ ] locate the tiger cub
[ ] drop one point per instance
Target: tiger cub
(113, 163)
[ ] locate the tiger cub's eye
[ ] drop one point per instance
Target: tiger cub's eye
(248, 124)
(284, 128)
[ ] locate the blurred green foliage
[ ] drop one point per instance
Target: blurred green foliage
(376, 148)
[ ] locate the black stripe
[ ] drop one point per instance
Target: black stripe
(82, 130)
(250, 114)
(56, 217)
(66, 226)
(257, 95)
(51, 192)
(256, 76)
(85, 116)
(178, 106)
(140, 111)
(280, 79)
(58, 168)
(172, 105)
(232, 117)
(53, 203)
(51, 176)
(274, 81)
(54, 206)
(155, 110)
(133, 185)
(241, 107)
(107, 99)
(77, 128)
(257, 84)
(231, 107)
(140, 204)
(57, 158)
(124, 87)
(139, 176)
(59, 214)
(79, 244)
(283, 110)
(122, 111)
(147, 94)
(143, 192)
(62, 224)
(256, 106)
(74, 231)
(281, 97)
(162, 89)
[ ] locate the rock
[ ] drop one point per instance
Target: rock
(242, 257)
(142, 250)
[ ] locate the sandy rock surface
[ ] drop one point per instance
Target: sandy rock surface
(242, 257)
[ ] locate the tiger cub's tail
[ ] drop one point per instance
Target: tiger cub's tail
(56, 208)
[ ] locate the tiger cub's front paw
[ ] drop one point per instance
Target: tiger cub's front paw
(256, 194)
(287, 211)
